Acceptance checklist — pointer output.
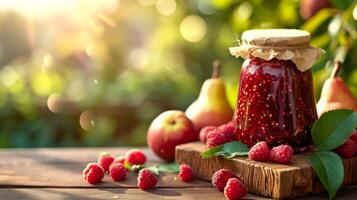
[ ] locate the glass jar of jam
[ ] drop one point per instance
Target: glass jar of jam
(276, 100)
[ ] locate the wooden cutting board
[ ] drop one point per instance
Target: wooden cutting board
(267, 179)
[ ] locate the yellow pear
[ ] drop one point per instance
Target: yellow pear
(211, 107)
(335, 94)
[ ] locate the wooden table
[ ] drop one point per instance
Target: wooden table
(47, 173)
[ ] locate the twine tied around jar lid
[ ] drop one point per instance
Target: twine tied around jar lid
(282, 44)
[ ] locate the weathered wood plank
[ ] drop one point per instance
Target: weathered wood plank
(267, 179)
(118, 193)
(63, 168)
(56, 174)
(131, 193)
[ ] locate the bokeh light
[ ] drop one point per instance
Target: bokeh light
(241, 16)
(244, 11)
(47, 62)
(193, 28)
(87, 120)
(55, 103)
(44, 83)
(9, 76)
(334, 26)
(166, 7)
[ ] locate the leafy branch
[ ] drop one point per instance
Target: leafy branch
(329, 132)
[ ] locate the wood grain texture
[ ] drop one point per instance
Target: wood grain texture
(63, 168)
(115, 193)
(267, 179)
(56, 173)
(131, 193)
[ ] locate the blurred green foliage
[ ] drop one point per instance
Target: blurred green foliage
(97, 76)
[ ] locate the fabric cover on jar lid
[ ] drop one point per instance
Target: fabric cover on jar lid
(282, 44)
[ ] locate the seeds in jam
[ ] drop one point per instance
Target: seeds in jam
(276, 103)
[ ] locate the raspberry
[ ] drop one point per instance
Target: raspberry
(186, 173)
(146, 179)
(235, 189)
(229, 127)
(120, 159)
(354, 136)
(347, 149)
(281, 154)
(259, 152)
(204, 131)
(228, 130)
(117, 172)
(217, 137)
(220, 178)
(93, 173)
(135, 157)
(105, 160)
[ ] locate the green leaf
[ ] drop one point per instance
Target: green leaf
(342, 4)
(154, 170)
(228, 150)
(333, 128)
(329, 168)
(169, 168)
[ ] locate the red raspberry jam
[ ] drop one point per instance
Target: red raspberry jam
(276, 103)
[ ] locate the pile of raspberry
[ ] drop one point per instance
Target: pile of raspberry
(283, 153)
(214, 136)
(228, 183)
(224, 180)
(118, 167)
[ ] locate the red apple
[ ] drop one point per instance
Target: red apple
(168, 130)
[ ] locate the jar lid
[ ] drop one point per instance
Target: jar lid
(276, 37)
(282, 44)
